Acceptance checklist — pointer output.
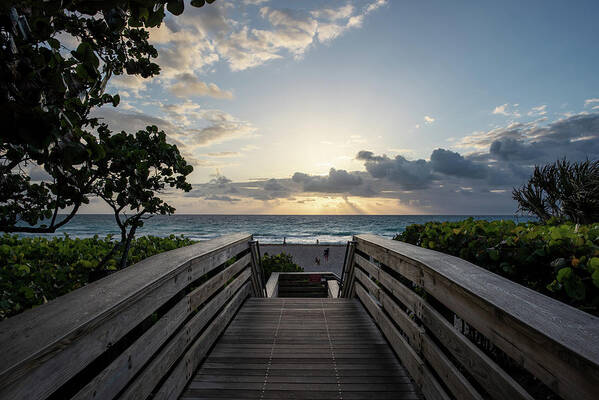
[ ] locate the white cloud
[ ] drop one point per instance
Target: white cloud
(189, 85)
(506, 109)
(428, 119)
(538, 111)
(590, 101)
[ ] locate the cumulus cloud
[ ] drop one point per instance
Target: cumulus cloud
(337, 181)
(408, 174)
(451, 163)
(507, 110)
(538, 111)
(188, 85)
(197, 40)
(575, 137)
(428, 119)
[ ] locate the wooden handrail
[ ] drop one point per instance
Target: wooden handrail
(553, 341)
(103, 338)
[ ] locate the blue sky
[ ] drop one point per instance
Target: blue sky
(369, 106)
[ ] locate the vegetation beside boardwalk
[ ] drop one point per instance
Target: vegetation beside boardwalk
(34, 270)
(558, 260)
(279, 263)
(38, 269)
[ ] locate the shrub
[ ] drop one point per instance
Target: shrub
(279, 263)
(35, 270)
(558, 260)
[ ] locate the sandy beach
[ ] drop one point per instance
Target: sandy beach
(305, 255)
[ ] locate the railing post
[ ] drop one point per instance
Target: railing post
(258, 283)
(347, 280)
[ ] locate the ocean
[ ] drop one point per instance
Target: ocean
(301, 229)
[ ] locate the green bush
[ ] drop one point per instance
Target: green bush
(279, 263)
(561, 261)
(35, 270)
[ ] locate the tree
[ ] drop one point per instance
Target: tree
(48, 91)
(562, 190)
(136, 168)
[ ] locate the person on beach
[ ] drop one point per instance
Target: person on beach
(316, 241)
(326, 255)
(284, 240)
(317, 261)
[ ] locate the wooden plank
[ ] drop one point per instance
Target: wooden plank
(552, 340)
(486, 372)
(152, 373)
(448, 372)
(182, 373)
(82, 324)
(321, 365)
(409, 358)
(108, 383)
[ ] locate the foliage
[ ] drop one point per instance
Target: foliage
(558, 260)
(563, 190)
(135, 169)
(279, 263)
(48, 92)
(35, 270)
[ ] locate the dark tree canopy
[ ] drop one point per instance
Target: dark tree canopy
(563, 190)
(47, 92)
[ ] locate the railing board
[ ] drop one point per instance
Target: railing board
(549, 338)
(182, 373)
(427, 383)
(418, 340)
(486, 372)
(145, 382)
(115, 377)
(456, 382)
(76, 330)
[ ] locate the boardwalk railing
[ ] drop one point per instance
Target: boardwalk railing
(140, 331)
(415, 295)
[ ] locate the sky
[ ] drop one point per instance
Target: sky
(368, 106)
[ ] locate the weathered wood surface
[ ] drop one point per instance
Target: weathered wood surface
(45, 347)
(301, 349)
(552, 340)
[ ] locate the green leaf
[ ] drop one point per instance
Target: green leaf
(575, 288)
(564, 274)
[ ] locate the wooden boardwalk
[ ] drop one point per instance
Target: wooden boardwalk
(301, 349)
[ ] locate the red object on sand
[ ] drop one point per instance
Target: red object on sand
(314, 277)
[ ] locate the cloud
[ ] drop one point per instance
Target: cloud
(428, 119)
(222, 198)
(538, 111)
(255, 2)
(575, 137)
(337, 181)
(591, 101)
(197, 40)
(506, 109)
(273, 185)
(451, 163)
(220, 180)
(408, 174)
(223, 154)
(188, 85)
